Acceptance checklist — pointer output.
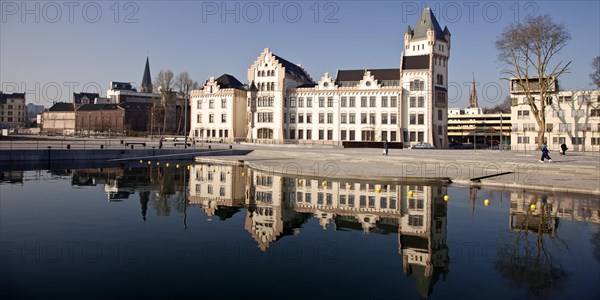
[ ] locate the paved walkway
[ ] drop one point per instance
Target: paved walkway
(573, 173)
(576, 172)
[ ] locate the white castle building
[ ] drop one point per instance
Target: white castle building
(284, 105)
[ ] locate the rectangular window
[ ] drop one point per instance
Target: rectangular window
(330, 134)
(372, 119)
(309, 118)
(352, 135)
(384, 136)
(344, 118)
(211, 118)
(373, 101)
(199, 105)
(321, 118)
(292, 102)
(330, 118)
(343, 137)
(352, 102)
(577, 140)
(344, 102)
(420, 119)
(292, 118)
(420, 136)
(393, 118)
(321, 134)
(223, 118)
(352, 118)
(412, 102)
(384, 101)
(223, 103)
(301, 102)
(211, 103)
(394, 101)
(440, 115)
(292, 134)
(412, 119)
(300, 134)
(321, 101)
(421, 101)
(329, 101)
(309, 101)
(393, 136)
(300, 118)
(309, 134)
(198, 118)
(363, 101)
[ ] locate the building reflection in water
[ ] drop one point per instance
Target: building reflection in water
(278, 206)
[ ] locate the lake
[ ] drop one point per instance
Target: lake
(183, 231)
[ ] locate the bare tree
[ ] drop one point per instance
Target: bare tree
(528, 50)
(164, 83)
(503, 107)
(596, 72)
(184, 84)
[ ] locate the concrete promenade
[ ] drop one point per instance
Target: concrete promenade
(577, 172)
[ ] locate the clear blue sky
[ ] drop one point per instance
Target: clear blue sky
(50, 49)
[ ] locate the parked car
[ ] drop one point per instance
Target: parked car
(422, 146)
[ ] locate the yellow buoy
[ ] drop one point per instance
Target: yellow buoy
(141, 161)
(532, 206)
(446, 197)
(167, 165)
(486, 202)
(410, 193)
(324, 183)
(149, 162)
(177, 166)
(378, 190)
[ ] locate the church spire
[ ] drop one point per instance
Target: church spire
(473, 95)
(146, 86)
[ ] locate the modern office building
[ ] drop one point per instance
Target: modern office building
(572, 117)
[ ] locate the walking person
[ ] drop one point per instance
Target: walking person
(160, 142)
(385, 148)
(545, 152)
(563, 149)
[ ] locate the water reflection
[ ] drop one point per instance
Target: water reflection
(532, 253)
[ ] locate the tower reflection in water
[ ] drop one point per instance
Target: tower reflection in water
(278, 206)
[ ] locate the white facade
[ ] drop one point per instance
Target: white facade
(218, 110)
(572, 117)
(407, 104)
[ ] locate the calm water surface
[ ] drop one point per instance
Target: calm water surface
(159, 232)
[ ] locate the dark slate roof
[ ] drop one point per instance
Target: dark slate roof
(78, 96)
(293, 69)
(4, 97)
(307, 85)
(62, 106)
(94, 107)
(428, 21)
(357, 75)
(227, 81)
(415, 62)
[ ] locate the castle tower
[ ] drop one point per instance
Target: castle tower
(424, 78)
(146, 86)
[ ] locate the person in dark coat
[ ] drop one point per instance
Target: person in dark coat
(385, 148)
(545, 153)
(563, 149)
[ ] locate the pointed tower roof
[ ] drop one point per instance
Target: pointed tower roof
(409, 30)
(426, 22)
(473, 96)
(146, 86)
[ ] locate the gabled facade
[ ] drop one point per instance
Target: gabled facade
(59, 119)
(218, 110)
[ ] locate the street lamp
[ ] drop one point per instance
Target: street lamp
(500, 146)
